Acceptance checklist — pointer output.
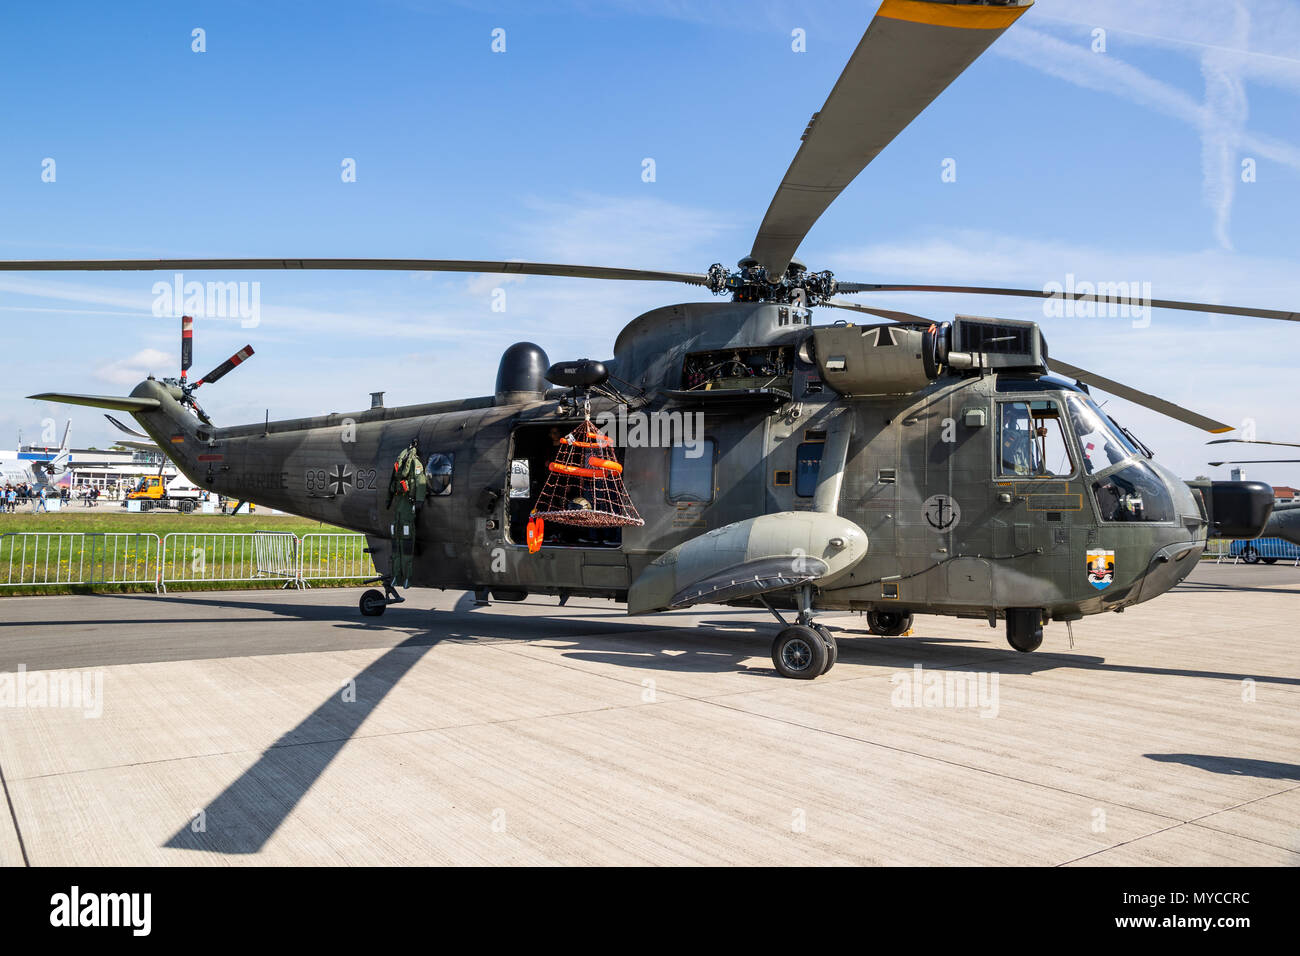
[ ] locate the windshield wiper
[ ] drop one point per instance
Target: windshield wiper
(1133, 439)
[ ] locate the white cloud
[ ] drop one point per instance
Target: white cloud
(1230, 46)
(129, 371)
(633, 232)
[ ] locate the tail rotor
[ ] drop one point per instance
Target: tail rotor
(187, 359)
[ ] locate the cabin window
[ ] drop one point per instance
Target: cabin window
(691, 479)
(438, 472)
(1032, 440)
(807, 468)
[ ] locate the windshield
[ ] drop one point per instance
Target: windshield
(1101, 442)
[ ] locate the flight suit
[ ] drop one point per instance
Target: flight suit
(409, 487)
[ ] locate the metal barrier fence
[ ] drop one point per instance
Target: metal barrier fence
(333, 557)
(52, 558)
(276, 554)
(203, 558)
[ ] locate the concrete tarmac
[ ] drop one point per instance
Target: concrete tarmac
(281, 727)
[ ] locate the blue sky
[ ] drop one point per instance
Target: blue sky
(1115, 166)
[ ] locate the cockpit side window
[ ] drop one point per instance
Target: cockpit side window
(1032, 440)
(1101, 444)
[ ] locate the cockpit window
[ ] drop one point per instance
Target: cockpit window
(1102, 444)
(1032, 440)
(1135, 493)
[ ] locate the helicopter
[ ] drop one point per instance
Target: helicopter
(893, 466)
(1284, 523)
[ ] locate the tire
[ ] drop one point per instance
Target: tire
(889, 623)
(832, 646)
(1024, 629)
(373, 603)
(1270, 560)
(799, 653)
(1250, 555)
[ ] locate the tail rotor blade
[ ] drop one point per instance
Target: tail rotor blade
(225, 367)
(187, 343)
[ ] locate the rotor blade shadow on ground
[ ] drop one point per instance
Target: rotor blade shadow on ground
(248, 812)
(1233, 766)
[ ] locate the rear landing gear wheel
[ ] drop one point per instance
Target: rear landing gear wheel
(832, 647)
(889, 623)
(799, 652)
(373, 603)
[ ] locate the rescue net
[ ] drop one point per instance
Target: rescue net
(585, 484)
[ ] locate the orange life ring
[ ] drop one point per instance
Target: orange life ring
(608, 464)
(574, 470)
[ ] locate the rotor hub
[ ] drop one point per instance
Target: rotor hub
(751, 282)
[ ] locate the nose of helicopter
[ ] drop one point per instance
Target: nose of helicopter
(1169, 566)
(1234, 509)
(1174, 557)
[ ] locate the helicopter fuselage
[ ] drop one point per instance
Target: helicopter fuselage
(967, 506)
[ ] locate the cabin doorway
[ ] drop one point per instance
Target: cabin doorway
(532, 449)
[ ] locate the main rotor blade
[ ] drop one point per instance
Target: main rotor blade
(850, 287)
(378, 265)
(225, 367)
(910, 53)
(1252, 441)
(1167, 408)
(882, 313)
(1258, 461)
(139, 445)
(121, 427)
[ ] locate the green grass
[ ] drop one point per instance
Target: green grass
(109, 517)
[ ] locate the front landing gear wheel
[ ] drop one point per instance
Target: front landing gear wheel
(373, 603)
(799, 652)
(889, 623)
(832, 648)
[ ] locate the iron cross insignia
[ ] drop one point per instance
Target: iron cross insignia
(340, 479)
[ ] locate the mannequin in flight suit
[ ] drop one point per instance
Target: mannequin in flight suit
(408, 487)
